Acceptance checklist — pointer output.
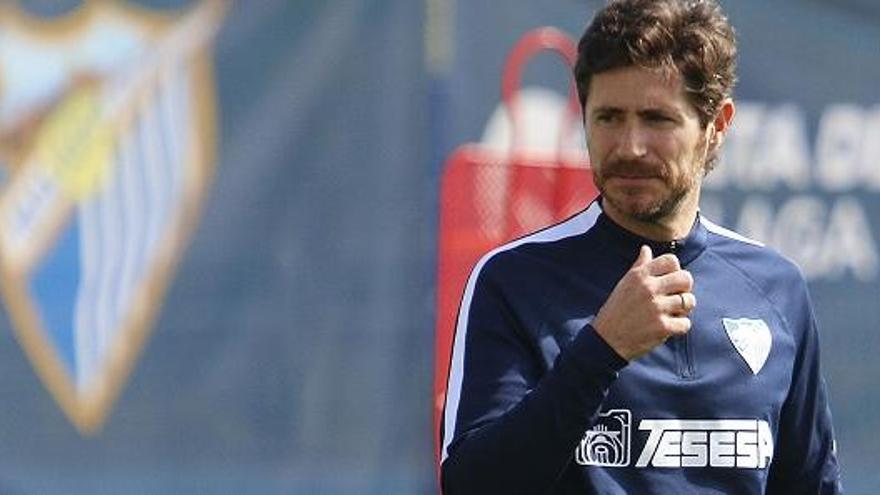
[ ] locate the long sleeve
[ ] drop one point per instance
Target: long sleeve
(516, 425)
(806, 460)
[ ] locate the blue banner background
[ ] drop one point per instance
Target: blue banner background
(294, 350)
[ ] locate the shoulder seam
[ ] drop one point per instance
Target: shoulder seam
(758, 288)
(730, 234)
(577, 224)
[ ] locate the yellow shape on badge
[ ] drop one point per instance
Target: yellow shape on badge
(74, 145)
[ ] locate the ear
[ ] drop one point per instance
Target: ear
(723, 120)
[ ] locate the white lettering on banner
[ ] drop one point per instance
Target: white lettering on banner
(766, 148)
(849, 237)
(838, 147)
(731, 443)
(870, 158)
(827, 242)
(824, 226)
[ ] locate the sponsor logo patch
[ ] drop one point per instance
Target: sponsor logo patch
(608, 442)
(678, 443)
(726, 443)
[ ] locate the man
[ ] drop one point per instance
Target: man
(637, 347)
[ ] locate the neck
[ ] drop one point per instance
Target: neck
(676, 225)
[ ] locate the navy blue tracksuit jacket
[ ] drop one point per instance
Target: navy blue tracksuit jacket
(538, 403)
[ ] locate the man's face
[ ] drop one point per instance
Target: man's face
(647, 146)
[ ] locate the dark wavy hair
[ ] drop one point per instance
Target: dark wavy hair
(693, 38)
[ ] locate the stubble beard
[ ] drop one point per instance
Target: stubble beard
(650, 210)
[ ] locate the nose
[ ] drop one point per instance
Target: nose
(632, 142)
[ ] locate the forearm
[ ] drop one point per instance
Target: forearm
(527, 448)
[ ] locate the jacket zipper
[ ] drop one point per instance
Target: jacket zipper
(683, 352)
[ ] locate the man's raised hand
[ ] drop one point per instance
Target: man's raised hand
(649, 304)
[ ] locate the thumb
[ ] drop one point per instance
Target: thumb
(645, 255)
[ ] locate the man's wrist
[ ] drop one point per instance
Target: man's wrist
(590, 345)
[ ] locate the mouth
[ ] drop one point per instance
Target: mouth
(634, 171)
(633, 176)
(634, 179)
(634, 184)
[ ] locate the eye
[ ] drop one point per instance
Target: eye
(605, 118)
(659, 118)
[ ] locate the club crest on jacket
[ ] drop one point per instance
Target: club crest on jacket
(751, 339)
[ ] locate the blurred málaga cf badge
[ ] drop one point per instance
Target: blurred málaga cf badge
(107, 126)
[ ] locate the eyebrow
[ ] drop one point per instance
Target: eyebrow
(643, 112)
(607, 110)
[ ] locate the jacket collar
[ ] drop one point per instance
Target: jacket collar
(628, 244)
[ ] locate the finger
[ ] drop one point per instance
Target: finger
(645, 256)
(690, 300)
(675, 282)
(664, 264)
(680, 304)
(677, 325)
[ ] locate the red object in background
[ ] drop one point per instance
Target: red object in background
(489, 198)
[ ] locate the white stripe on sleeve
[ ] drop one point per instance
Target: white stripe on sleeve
(575, 225)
